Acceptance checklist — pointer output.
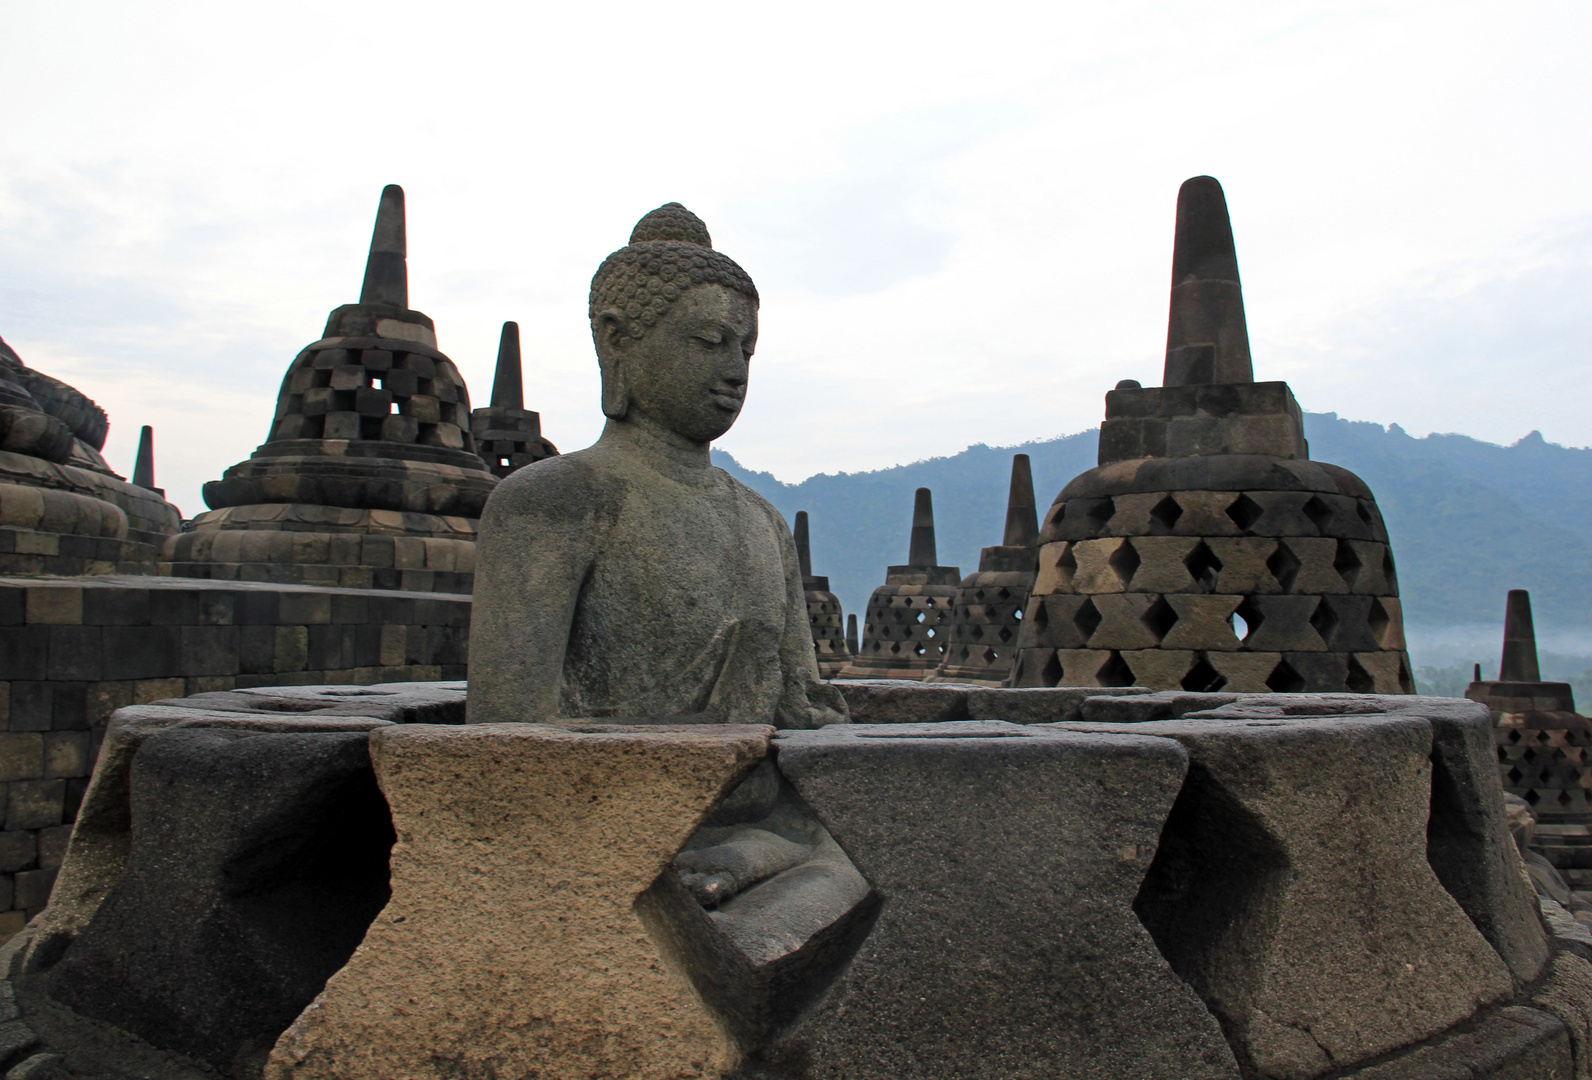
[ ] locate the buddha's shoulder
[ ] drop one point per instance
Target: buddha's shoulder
(746, 495)
(563, 486)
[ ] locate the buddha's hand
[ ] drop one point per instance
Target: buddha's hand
(747, 856)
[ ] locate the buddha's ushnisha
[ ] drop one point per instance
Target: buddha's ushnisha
(633, 579)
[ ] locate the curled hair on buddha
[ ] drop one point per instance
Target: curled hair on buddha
(669, 251)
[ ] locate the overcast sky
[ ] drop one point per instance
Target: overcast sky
(959, 216)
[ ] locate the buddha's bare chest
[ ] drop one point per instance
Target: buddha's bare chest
(700, 558)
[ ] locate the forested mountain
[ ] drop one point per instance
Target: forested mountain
(1469, 520)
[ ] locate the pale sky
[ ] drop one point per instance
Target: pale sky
(959, 216)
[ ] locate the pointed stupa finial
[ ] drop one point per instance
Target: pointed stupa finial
(144, 463)
(508, 385)
(1206, 338)
(922, 551)
(1520, 641)
(851, 633)
(804, 552)
(1022, 519)
(386, 270)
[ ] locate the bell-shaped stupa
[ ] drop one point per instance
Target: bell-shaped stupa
(1207, 551)
(988, 613)
(904, 628)
(63, 512)
(507, 434)
(369, 478)
(823, 609)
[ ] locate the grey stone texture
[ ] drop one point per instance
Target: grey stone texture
(987, 614)
(528, 957)
(74, 650)
(257, 861)
(824, 615)
(1292, 888)
(906, 629)
(1000, 850)
(369, 477)
(898, 701)
(63, 512)
(507, 434)
(1206, 551)
(634, 579)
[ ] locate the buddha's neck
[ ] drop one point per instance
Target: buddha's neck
(647, 441)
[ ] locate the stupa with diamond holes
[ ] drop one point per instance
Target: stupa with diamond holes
(1544, 745)
(508, 435)
(904, 629)
(369, 478)
(988, 614)
(823, 609)
(1207, 551)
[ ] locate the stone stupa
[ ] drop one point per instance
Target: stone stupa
(507, 434)
(63, 511)
(904, 632)
(1544, 745)
(823, 609)
(1207, 551)
(988, 614)
(369, 478)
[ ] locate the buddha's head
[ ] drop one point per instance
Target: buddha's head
(675, 323)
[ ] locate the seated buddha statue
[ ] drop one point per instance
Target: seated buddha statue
(635, 582)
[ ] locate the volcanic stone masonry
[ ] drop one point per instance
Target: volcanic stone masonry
(1544, 746)
(507, 434)
(1204, 508)
(823, 609)
(904, 633)
(369, 478)
(988, 613)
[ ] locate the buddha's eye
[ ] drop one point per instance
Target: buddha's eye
(711, 339)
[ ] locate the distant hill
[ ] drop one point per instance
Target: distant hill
(1469, 519)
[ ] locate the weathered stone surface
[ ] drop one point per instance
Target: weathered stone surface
(510, 946)
(1006, 861)
(1567, 994)
(1467, 841)
(256, 862)
(1512, 1044)
(1292, 889)
(898, 701)
(634, 579)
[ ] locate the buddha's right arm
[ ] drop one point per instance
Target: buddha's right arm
(537, 541)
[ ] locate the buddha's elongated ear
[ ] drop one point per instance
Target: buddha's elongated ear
(612, 337)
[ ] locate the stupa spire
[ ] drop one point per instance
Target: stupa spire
(1519, 662)
(386, 269)
(1022, 518)
(508, 385)
(804, 551)
(922, 551)
(1206, 337)
(144, 463)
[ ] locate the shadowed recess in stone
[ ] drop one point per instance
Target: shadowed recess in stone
(257, 863)
(802, 910)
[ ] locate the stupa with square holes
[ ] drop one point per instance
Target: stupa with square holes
(369, 478)
(823, 608)
(1207, 551)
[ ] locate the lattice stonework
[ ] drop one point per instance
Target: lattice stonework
(367, 389)
(904, 632)
(829, 632)
(1245, 590)
(1546, 759)
(986, 621)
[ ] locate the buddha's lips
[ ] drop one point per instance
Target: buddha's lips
(728, 401)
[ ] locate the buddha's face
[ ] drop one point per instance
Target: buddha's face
(688, 372)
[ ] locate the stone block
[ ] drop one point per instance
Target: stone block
(1244, 672)
(56, 605)
(965, 973)
(21, 756)
(52, 845)
(66, 753)
(1292, 891)
(76, 653)
(1159, 669)
(1512, 1044)
(34, 804)
(1036, 705)
(1244, 570)
(1122, 623)
(24, 652)
(1052, 622)
(1095, 572)
(19, 850)
(1162, 568)
(1386, 670)
(1316, 573)
(141, 652)
(256, 862)
(1320, 672)
(899, 701)
(1203, 622)
(33, 888)
(1566, 992)
(532, 959)
(1282, 624)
